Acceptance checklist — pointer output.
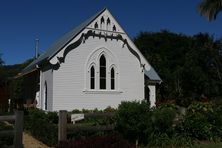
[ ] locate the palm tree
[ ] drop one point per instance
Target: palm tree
(210, 8)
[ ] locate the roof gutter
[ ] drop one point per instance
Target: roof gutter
(19, 75)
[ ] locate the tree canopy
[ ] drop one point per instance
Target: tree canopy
(190, 66)
(9, 71)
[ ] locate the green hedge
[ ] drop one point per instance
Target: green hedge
(42, 126)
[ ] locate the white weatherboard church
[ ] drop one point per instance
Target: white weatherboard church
(95, 65)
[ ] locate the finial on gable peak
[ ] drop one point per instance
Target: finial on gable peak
(105, 9)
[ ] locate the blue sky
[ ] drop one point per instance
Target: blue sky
(22, 21)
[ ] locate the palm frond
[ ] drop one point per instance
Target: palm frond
(210, 8)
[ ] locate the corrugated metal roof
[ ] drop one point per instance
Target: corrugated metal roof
(59, 44)
(152, 75)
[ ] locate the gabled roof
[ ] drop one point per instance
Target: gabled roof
(64, 40)
(59, 44)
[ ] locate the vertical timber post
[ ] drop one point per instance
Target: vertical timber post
(19, 115)
(62, 125)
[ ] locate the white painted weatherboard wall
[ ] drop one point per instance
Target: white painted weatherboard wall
(46, 75)
(69, 90)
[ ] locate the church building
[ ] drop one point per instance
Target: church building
(95, 65)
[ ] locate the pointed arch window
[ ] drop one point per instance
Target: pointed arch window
(112, 78)
(92, 77)
(102, 67)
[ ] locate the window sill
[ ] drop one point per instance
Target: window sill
(102, 91)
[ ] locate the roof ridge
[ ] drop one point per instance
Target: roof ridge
(61, 42)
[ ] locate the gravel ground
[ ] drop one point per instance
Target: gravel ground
(31, 142)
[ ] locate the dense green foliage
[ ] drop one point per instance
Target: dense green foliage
(190, 67)
(133, 121)
(19, 89)
(7, 72)
(41, 126)
(137, 122)
(203, 121)
(165, 126)
(106, 110)
(162, 119)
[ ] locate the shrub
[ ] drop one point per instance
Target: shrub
(133, 120)
(160, 127)
(217, 122)
(164, 140)
(75, 111)
(87, 111)
(162, 119)
(163, 132)
(181, 140)
(52, 117)
(199, 121)
(41, 126)
(159, 140)
(109, 109)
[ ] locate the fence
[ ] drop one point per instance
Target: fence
(18, 129)
(62, 127)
